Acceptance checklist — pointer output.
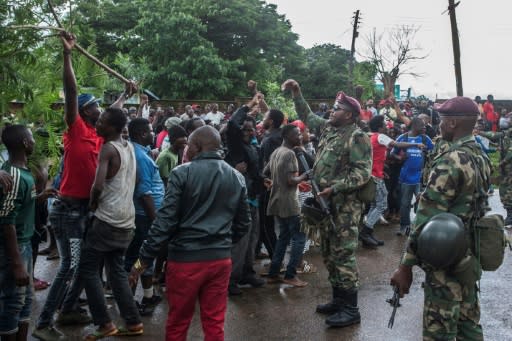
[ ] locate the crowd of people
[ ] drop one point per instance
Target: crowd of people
(190, 200)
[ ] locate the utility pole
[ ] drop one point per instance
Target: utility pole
(355, 34)
(456, 46)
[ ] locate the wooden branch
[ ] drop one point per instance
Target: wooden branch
(55, 16)
(87, 54)
(100, 64)
(35, 27)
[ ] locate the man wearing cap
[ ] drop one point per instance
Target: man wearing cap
(69, 210)
(371, 107)
(343, 165)
(458, 183)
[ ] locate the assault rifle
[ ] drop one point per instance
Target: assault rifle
(395, 299)
(321, 200)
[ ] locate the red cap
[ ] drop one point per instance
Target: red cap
(299, 124)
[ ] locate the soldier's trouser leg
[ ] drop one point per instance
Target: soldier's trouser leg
(339, 251)
(506, 200)
(451, 311)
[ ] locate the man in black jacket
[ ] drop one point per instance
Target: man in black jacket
(204, 212)
(243, 155)
(272, 140)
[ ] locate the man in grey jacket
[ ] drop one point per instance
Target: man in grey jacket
(204, 212)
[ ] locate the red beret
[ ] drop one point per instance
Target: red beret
(350, 102)
(458, 106)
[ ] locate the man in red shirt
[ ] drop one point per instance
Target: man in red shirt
(490, 116)
(380, 144)
(69, 211)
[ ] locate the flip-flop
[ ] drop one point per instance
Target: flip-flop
(123, 331)
(100, 335)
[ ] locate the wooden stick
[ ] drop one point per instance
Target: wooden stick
(87, 54)
(16, 27)
(100, 64)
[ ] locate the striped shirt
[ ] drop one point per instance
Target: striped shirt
(17, 207)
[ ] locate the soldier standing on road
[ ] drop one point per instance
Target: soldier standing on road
(459, 177)
(343, 164)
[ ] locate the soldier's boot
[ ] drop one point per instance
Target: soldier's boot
(378, 241)
(334, 305)
(348, 314)
(366, 237)
(508, 220)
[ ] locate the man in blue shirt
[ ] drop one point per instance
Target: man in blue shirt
(410, 174)
(147, 198)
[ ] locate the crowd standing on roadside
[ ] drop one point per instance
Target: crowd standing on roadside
(188, 202)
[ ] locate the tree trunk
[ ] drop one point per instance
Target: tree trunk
(389, 85)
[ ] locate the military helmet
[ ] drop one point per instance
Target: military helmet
(443, 241)
(312, 211)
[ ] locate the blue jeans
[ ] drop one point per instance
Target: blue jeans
(406, 193)
(15, 302)
(68, 222)
(289, 230)
(379, 205)
(142, 225)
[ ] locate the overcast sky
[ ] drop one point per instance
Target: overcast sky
(485, 31)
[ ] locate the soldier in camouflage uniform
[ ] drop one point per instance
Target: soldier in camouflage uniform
(504, 138)
(343, 164)
(458, 182)
(506, 175)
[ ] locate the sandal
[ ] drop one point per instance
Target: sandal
(124, 331)
(100, 335)
(306, 268)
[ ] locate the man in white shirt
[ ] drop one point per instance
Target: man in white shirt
(214, 116)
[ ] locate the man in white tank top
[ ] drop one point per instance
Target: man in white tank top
(112, 228)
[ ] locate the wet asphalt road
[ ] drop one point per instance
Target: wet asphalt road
(277, 312)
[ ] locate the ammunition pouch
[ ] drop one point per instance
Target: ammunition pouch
(490, 241)
(467, 271)
(368, 191)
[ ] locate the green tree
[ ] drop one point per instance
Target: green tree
(326, 71)
(181, 62)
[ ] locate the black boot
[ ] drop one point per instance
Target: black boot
(508, 220)
(348, 314)
(378, 241)
(334, 305)
(366, 237)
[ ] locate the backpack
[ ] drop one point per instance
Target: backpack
(487, 232)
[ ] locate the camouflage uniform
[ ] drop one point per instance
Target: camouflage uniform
(344, 163)
(451, 308)
(505, 179)
(506, 175)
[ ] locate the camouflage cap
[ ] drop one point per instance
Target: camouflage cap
(350, 103)
(458, 106)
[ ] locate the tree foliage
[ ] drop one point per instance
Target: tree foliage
(201, 49)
